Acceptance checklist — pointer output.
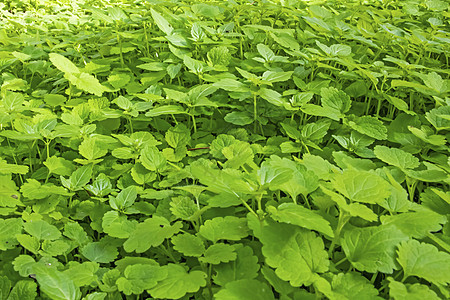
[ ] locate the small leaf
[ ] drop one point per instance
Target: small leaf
(227, 228)
(188, 244)
(124, 199)
(218, 253)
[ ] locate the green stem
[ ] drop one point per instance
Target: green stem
(343, 219)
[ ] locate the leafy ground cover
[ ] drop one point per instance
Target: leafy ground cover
(227, 150)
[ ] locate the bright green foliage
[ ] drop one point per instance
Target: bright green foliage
(224, 150)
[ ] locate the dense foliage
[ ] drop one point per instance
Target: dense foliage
(229, 150)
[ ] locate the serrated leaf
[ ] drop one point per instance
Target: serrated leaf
(218, 253)
(245, 289)
(150, 233)
(42, 230)
(370, 126)
(23, 290)
(188, 244)
(350, 284)
(396, 157)
(56, 284)
(124, 199)
(139, 278)
(372, 249)
(244, 267)
(296, 253)
(224, 228)
(417, 291)
(361, 186)
(291, 213)
(178, 282)
(425, 261)
(416, 224)
(100, 252)
(161, 22)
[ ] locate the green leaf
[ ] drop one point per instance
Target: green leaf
(416, 224)
(100, 252)
(60, 166)
(91, 150)
(42, 230)
(238, 154)
(9, 195)
(6, 168)
(178, 282)
(150, 233)
(86, 82)
(218, 253)
(124, 199)
(245, 289)
(76, 233)
(63, 64)
(29, 242)
(238, 118)
(265, 52)
(161, 22)
(231, 85)
(417, 291)
(271, 96)
(152, 159)
(370, 126)
(350, 284)
(244, 267)
(55, 284)
(439, 117)
(184, 208)
(224, 228)
(425, 261)
(83, 274)
(165, 110)
(335, 99)
(139, 278)
(117, 225)
(178, 136)
(291, 213)
(396, 157)
(296, 253)
(188, 244)
(23, 290)
(79, 178)
(372, 249)
(361, 186)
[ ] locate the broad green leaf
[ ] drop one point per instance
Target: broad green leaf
(265, 52)
(178, 136)
(425, 261)
(370, 126)
(42, 230)
(76, 233)
(124, 199)
(152, 159)
(350, 284)
(372, 249)
(29, 242)
(117, 225)
(417, 291)
(63, 64)
(55, 284)
(244, 267)
(296, 253)
(281, 286)
(138, 278)
(13, 101)
(150, 233)
(416, 224)
(161, 22)
(178, 282)
(335, 99)
(271, 76)
(238, 154)
(231, 85)
(79, 178)
(59, 166)
(86, 82)
(23, 290)
(9, 195)
(5, 286)
(165, 110)
(218, 253)
(271, 96)
(82, 274)
(245, 289)
(23, 264)
(184, 208)
(224, 228)
(6, 168)
(188, 244)
(33, 189)
(291, 213)
(396, 157)
(238, 118)
(361, 186)
(439, 117)
(100, 252)
(91, 150)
